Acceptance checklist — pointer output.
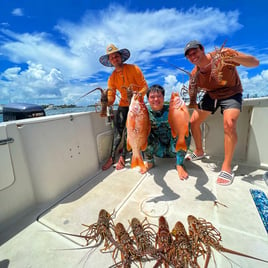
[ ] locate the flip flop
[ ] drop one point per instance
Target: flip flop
(225, 178)
(194, 157)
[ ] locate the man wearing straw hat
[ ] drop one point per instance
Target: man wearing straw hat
(125, 78)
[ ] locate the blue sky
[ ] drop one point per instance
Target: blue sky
(49, 50)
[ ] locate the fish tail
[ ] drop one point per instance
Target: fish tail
(181, 142)
(181, 146)
(137, 161)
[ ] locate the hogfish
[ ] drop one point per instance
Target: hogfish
(178, 118)
(138, 129)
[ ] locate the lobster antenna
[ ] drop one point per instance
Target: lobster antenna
(97, 88)
(223, 44)
(177, 67)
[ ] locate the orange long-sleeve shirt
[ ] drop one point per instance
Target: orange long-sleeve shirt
(130, 76)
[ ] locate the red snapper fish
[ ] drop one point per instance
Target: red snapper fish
(138, 129)
(178, 118)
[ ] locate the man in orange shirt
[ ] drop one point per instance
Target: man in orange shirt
(125, 78)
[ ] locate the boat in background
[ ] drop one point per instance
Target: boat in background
(51, 181)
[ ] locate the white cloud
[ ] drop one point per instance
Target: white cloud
(68, 69)
(171, 84)
(255, 86)
(32, 83)
(11, 73)
(17, 12)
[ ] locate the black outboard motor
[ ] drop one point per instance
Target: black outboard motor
(17, 111)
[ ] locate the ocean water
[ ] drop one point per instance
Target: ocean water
(62, 111)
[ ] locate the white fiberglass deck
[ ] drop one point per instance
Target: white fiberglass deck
(130, 194)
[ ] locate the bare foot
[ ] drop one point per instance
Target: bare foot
(183, 175)
(147, 167)
(120, 163)
(109, 163)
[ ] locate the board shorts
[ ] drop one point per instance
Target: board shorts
(211, 105)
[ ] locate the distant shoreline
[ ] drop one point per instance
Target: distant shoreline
(55, 107)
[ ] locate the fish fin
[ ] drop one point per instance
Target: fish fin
(137, 161)
(173, 133)
(170, 121)
(181, 145)
(144, 146)
(149, 130)
(128, 146)
(187, 131)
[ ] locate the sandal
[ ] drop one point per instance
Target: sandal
(225, 178)
(194, 157)
(108, 164)
(120, 163)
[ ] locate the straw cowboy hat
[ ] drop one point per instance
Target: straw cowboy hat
(125, 54)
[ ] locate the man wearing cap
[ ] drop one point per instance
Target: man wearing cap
(125, 78)
(216, 74)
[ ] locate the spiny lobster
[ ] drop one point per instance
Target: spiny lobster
(144, 236)
(177, 248)
(103, 99)
(181, 253)
(202, 231)
(98, 232)
(218, 61)
(128, 251)
(163, 242)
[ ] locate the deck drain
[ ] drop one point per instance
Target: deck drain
(152, 208)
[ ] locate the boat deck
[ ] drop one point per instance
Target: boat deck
(129, 194)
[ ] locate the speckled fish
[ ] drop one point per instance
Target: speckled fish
(138, 129)
(178, 118)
